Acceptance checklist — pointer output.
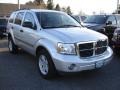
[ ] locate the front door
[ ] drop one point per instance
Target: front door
(30, 34)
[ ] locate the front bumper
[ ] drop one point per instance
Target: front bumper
(69, 63)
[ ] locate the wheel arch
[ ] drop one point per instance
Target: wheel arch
(10, 35)
(40, 47)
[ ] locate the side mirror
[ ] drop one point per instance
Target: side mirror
(28, 25)
(109, 23)
(102, 30)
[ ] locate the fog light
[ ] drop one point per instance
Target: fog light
(72, 66)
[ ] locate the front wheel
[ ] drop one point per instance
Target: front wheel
(46, 66)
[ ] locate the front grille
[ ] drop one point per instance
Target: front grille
(86, 46)
(86, 53)
(100, 50)
(92, 48)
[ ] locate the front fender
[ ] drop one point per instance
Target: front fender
(48, 45)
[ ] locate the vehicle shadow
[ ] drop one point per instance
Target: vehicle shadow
(24, 57)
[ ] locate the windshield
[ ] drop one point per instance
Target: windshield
(3, 21)
(97, 19)
(56, 20)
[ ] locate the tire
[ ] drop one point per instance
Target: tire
(46, 65)
(12, 47)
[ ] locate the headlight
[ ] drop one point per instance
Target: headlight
(66, 49)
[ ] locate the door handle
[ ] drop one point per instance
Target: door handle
(21, 31)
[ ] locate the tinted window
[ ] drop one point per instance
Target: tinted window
(29, 18)
(112, 19)
(56, 20)
(11, 19)
(97, 19)
(19, 17)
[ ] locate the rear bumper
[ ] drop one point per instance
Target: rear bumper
(66, 63)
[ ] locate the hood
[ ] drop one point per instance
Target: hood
(73, 35)
(94, 26)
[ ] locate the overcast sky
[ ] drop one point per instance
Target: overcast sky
(87, 6)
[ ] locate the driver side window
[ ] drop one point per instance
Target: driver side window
(30, 18)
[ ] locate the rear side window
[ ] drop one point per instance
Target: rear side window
(11, 19)
(19, 17)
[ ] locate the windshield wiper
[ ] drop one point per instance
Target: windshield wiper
(67, 26)
(62, 26)
(49, 27)
(89, 22)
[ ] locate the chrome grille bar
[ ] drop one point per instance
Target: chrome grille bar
(96, 48)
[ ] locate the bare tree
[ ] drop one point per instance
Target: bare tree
(50, 4)
(57, 7)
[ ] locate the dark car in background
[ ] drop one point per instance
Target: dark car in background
(116, 40)
(105, 24)
(3, 26)
(79, 18)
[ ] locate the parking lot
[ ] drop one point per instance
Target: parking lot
(20, 72)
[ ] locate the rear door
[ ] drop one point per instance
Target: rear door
(10, 24)
(17, 28)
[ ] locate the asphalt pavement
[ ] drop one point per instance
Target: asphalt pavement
(20, 72)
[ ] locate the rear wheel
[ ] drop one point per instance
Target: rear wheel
(46, 66)
(12, 47)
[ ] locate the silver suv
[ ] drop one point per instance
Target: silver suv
(58, 41)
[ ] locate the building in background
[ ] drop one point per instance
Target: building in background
(7, 8)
